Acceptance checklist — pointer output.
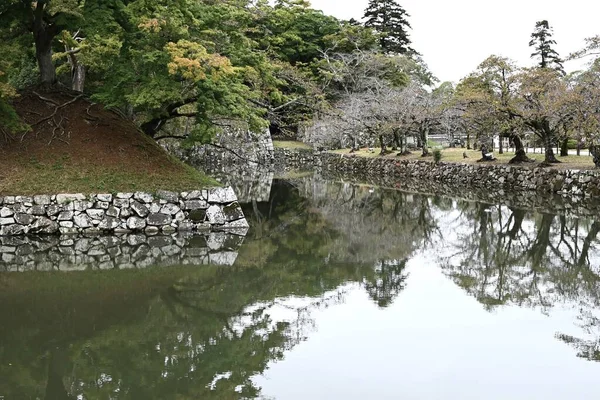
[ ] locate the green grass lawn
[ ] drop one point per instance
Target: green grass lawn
(455, 155)
(290, 144)
(34, 177)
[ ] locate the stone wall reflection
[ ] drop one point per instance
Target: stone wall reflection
(78, 253)
(251, 182)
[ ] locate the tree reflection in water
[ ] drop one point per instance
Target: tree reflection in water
(205, 332)
(509, 256)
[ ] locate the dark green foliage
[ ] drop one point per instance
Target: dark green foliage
(437, 155)
(542, 42)
(204, 65)
(390, 21)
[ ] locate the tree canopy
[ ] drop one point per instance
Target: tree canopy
(218, 63)
(390, 21)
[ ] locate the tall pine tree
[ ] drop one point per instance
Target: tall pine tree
(542, 42)
(390, 21)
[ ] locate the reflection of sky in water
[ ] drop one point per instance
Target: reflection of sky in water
(432, 343)
(458, 318)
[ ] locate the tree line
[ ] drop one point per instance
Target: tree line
(540, 105)
(189, 68)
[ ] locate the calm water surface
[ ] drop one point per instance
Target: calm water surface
(338, 291)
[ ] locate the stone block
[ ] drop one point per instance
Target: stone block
(197, 216)
(140, 209)
(25, 200)
(195, 205)
(233, 212)
(215, 215)
(6, 212)
(109, 223)
(120, 203)
(171, 197)
(170, 209)
(7, 221)
(159, 219)
(24, 219)
(53, 209)
(66, 216)
(106, 197)
(95, 214)
(155, 207)
(82, 221)
(38, 210)
(113, 212)
(68, 198)
(103, 205)
(143, 197)
(42, 200)
(221, 195)
(135, 223)
(81, 205)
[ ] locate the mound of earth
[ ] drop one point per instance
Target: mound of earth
(75, 145)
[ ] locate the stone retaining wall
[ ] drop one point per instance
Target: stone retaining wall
(543, 189)
(581, 183)
(295, 159)
(585, 183)
(167, 212)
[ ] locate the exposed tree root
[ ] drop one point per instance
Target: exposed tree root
(521, 157)
(7, 136)
(58, 107)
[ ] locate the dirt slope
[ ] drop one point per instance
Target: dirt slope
(76, 145)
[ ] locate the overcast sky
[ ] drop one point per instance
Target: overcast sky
(455, 36)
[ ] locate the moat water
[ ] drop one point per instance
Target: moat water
(338, 291)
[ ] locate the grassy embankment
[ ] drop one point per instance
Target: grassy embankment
(84, 148)
(455, 155)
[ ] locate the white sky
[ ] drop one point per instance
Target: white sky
(455, 36)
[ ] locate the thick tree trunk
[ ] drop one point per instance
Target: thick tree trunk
(500, 145)
(549, 156)
(564, 147)
(520, 155)
(43, 54)
(424, 139)
(43, 35)
(382, 145)
(397, 144)
(595, 152)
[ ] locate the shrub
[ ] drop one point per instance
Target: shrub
(437, 155)
(572, 144)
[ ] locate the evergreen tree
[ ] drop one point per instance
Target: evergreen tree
(389, 19)
(542, 42)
